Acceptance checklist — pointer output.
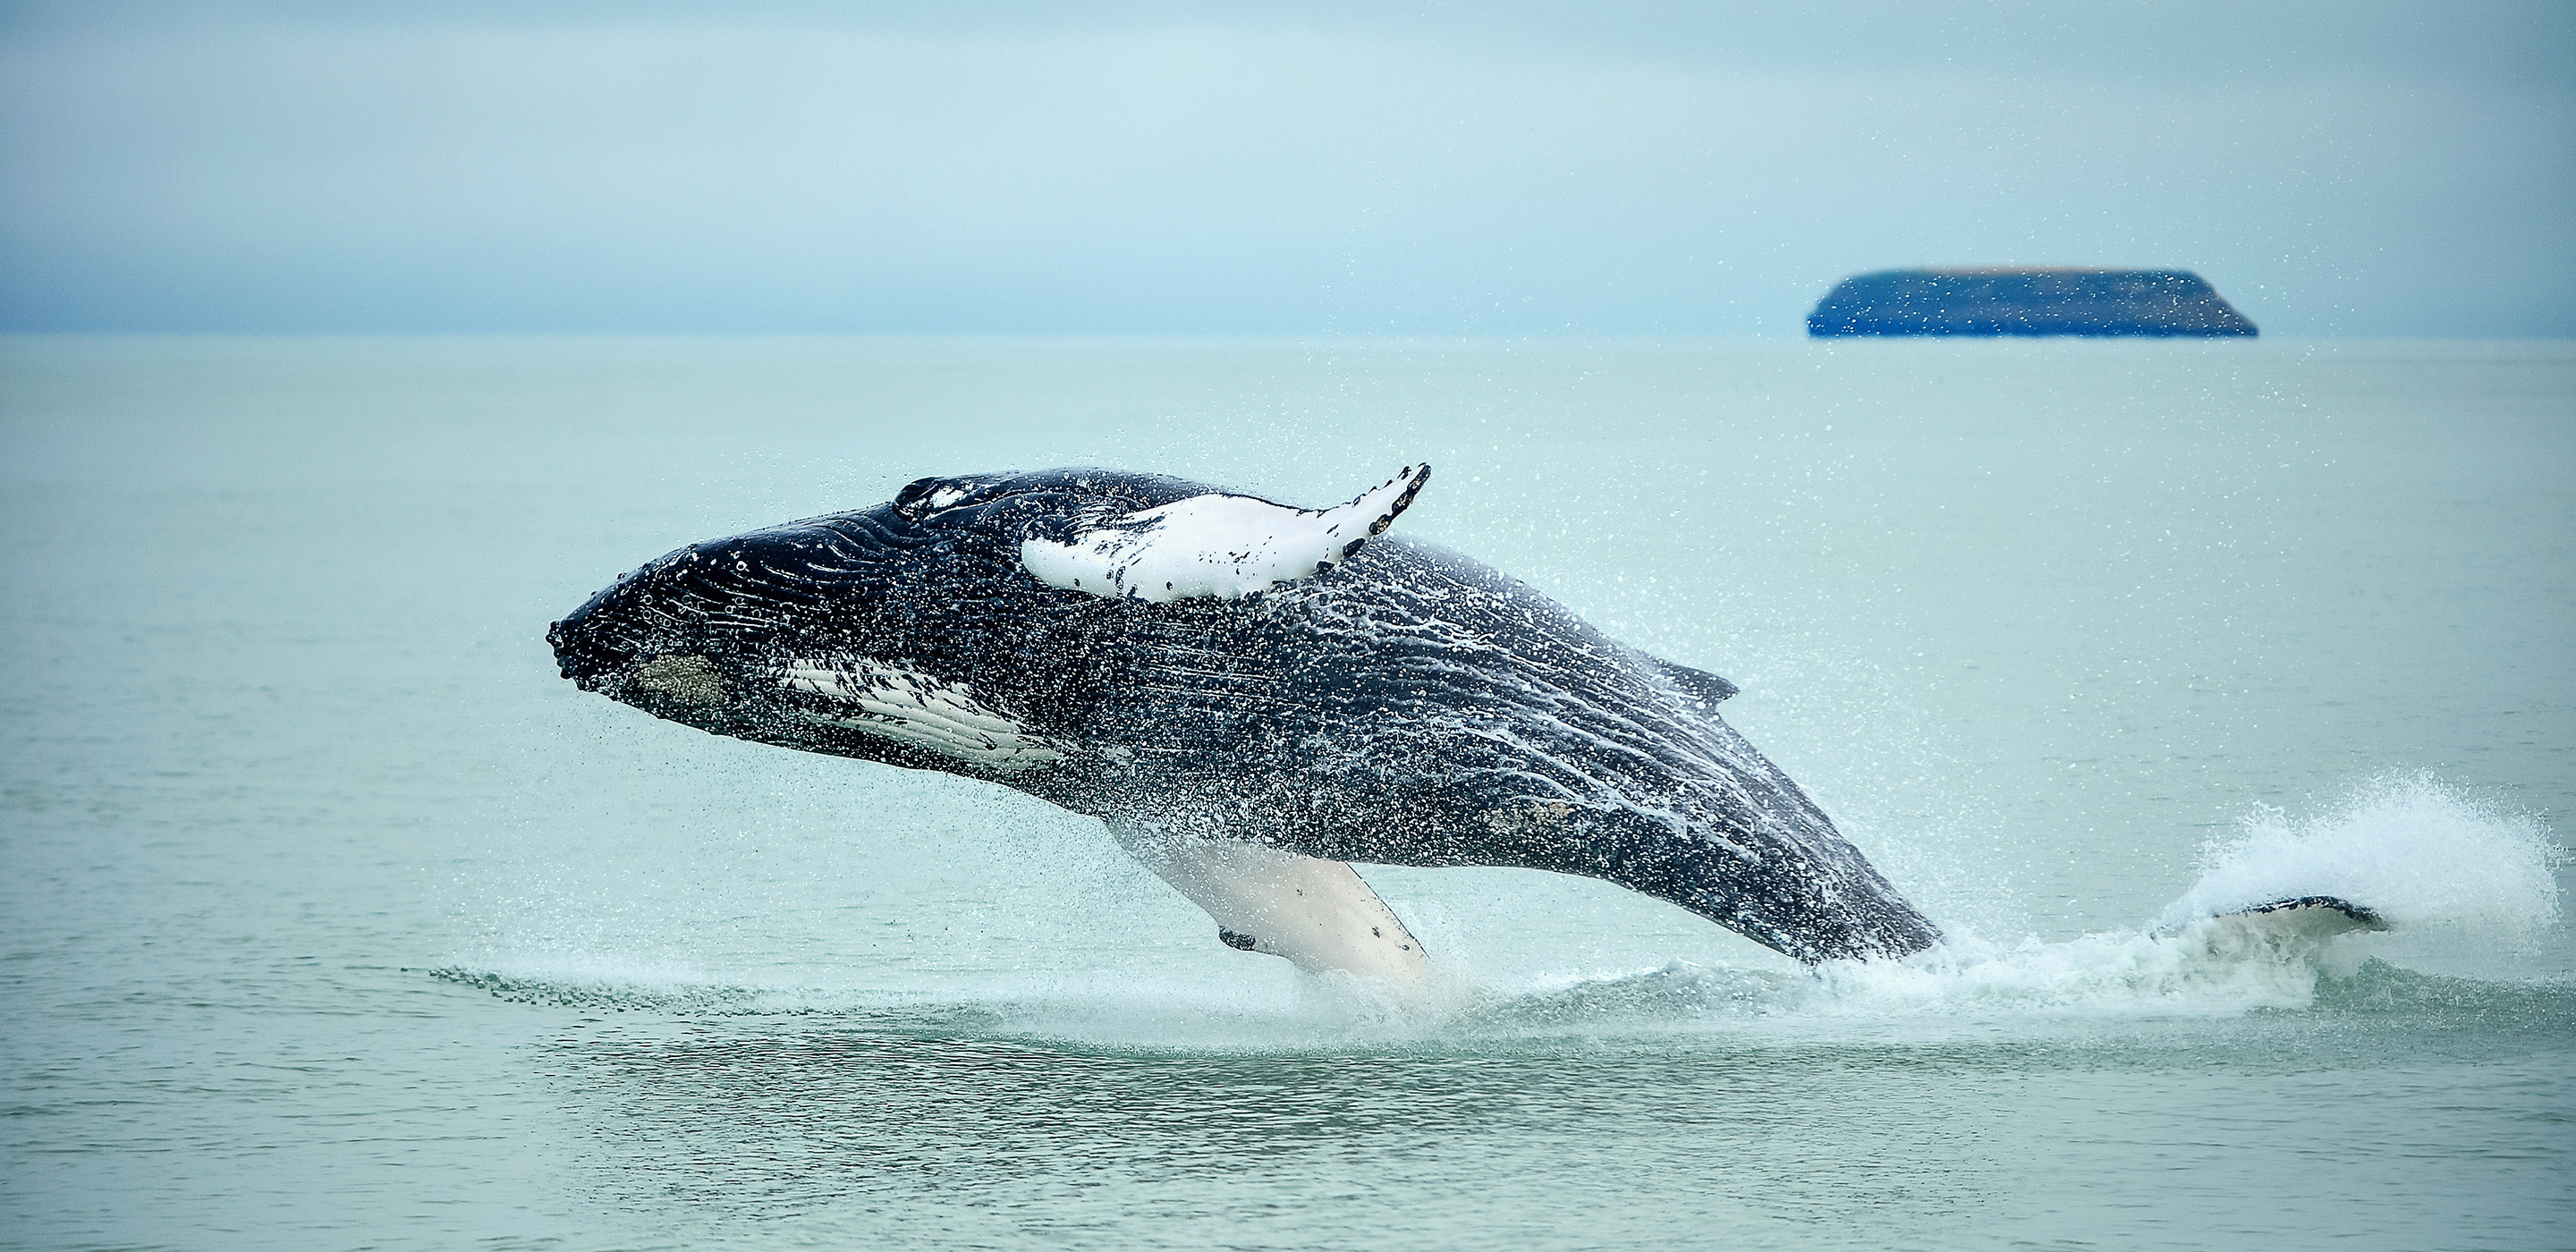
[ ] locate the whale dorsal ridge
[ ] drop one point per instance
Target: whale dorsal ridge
(1699, 686)
(1215, 545)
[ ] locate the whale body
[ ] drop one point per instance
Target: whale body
(1251, 696)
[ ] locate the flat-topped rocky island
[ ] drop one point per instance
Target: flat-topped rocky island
(2001, 301)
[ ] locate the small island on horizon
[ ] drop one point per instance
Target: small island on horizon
(2026, 301)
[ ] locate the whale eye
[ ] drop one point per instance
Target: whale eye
(926, 496)
(909, 501)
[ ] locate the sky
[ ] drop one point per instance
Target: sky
(2335, 169)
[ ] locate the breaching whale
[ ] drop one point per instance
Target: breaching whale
(1251, 696)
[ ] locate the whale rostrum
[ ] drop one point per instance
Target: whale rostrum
(1253, 697)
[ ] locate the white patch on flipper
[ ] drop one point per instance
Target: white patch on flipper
(1319, 914)
(907, 706)
(1219, 545)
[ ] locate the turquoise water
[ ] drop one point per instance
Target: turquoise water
(330, 917)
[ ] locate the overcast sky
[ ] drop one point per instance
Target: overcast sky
(2334, 168)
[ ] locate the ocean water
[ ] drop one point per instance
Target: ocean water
(331, 918)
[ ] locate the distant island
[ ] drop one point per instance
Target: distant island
(2025, 302)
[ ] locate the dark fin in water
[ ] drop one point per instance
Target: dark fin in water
(1699, 685)
(2324, 914)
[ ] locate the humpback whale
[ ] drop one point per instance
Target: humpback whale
(1251, 696)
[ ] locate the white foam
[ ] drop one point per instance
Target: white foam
(2439, 865)
(2453, 877)
(2463, 881)
(2211, 968)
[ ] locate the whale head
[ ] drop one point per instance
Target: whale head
(677, 631)
(847, 633)
(959, 626)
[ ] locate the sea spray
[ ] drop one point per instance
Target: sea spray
(2444, 868)
(2207, 969)
(2462, 882)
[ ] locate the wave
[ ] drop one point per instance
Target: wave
(2462, 883)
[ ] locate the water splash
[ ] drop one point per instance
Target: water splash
(2443, 867)
(2456, 878)
(2452, 875)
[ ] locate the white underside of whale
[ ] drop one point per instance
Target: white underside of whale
(1318, 914)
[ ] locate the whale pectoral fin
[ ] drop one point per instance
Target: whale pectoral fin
(1319, 914)
(1215, 545)
(2305, 917)
(1699, 685)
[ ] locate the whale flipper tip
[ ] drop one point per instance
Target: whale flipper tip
(2361, 916)
(2317, 916)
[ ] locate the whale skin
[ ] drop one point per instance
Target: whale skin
(1402, 705)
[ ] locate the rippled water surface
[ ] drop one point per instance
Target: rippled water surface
(330, 917)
